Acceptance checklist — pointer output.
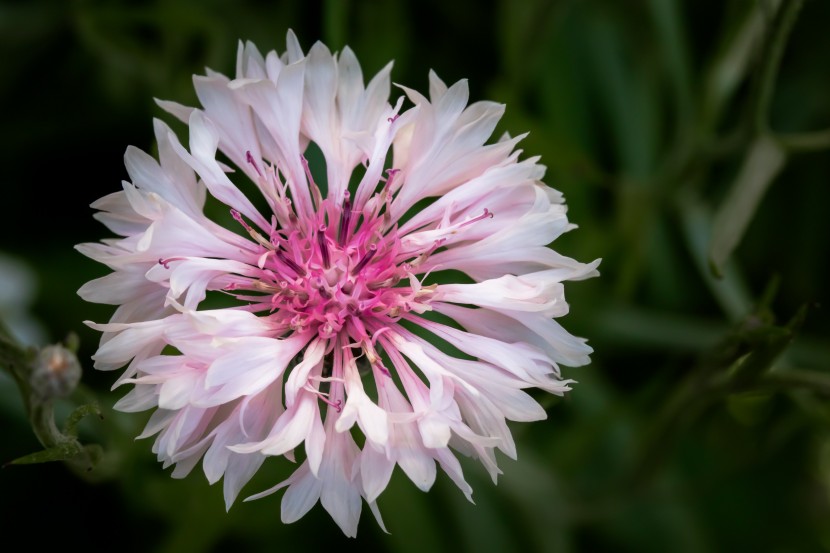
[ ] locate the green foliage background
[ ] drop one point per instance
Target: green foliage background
(690, 140)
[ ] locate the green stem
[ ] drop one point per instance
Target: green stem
(42, 418)
(798, 378)
(805, 142)
(730, 291)
(763, 162)
(771, 61)
(730, 66)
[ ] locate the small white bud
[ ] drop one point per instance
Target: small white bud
(55, 372)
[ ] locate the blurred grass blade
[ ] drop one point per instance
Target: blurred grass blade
(731, 292)
(732, 63)
(671, 34)
(763, 162)
(335, 21)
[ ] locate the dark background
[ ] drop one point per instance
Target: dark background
(621, 102)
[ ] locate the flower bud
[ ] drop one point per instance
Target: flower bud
(55, 372)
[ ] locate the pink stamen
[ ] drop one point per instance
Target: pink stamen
(290, 263)
(486, 215)
(238, 217)
(393, 118)
(250, 159)
(408, 267)
(345, 219)
(376, 334)
(315, 190)
(337, 405)
(292, 217)
(324, 249)
(379, 366)
(366, 258)
(390, 178)
(166, 262)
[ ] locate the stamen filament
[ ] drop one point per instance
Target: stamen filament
(324, 249)
(250, 159)
(166, 262)
(366, 258)
(345, 219)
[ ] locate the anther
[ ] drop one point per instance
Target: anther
(366, 258)
(250, 159)
(290, 263)
(265, 287)
(390, 178)
(379, 366)
(486, 215)
(238, 217)
(166, 262)
(345, 218)
(254, 234)
(322, 396)
(315, 190)
(324, 248)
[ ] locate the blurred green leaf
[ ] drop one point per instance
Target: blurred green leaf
(67, 451)
(415, 525)
(336, 22)
(749, 407)
(671, 33)
(735, 54)
(628, 94)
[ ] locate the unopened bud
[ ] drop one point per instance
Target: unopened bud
(55, 372)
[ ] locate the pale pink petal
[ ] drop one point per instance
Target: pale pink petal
(340, 495)
(375, 472)
(301, 495)
(237, 134)
(204, 141)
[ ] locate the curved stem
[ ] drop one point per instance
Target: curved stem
(805, 142)
(799, 378)
(771, 61)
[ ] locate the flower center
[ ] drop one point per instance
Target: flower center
(339, 266)
(330, 283)
(344, 267)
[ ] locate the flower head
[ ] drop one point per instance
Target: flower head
(404, 292)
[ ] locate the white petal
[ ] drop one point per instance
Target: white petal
(375, 472)
(138, 399)
(301, 495)
(241, 469)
